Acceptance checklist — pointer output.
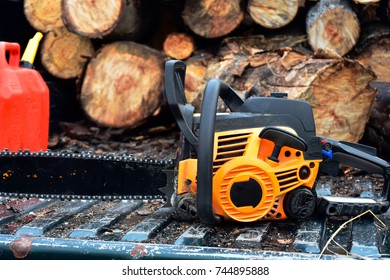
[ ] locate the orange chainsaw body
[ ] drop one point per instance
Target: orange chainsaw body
(247, 185)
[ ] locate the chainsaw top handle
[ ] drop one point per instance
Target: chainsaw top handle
(182, 111)
(214, 89)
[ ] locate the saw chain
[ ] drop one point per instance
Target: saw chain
(84, 175)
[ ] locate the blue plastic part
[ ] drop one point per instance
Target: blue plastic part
(327, 153)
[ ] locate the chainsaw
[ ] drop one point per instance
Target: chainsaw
(259, 161)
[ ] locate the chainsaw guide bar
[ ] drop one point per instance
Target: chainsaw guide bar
(82, 175)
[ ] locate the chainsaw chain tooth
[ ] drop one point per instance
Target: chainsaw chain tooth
(81, 197)
(165, 164)
(87, 155)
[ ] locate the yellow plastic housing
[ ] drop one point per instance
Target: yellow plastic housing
(240, 156)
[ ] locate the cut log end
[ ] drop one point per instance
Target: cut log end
(212, 18)
(93, 19)
(123, 85)
(332, 25)
(179, 45)
(346, 86)
(339, 31)
(43, 15)
(273, 14)
(64, 54)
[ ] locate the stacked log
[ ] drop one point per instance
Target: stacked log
(116, 19)
(43, 15)
(64, 54)
(377, 132)
(332, 24)
(373, 50)
(123, 84)
(195, 73)
(273, 14)
(329, 63)
(212, 18)
(179, 46)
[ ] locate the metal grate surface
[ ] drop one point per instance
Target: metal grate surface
(89, 229)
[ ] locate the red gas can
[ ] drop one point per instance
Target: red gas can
(24, 104)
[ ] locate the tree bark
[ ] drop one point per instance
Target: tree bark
(118, 19)
(64, 54)
(273, 14)
(212, 18)
(384, 10)
(373, 48)
(377, 132)
(332, 24)
(43, 15)
(376, 11)
(258, 43)
(123, 84)
(195, 73)
(338, 89)
(179, 46)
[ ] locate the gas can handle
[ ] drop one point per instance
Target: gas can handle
(14, 54)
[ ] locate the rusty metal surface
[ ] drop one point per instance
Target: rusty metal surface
(55, 229)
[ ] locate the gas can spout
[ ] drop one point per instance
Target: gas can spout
(28, 57)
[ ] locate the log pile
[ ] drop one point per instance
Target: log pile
(326, 52)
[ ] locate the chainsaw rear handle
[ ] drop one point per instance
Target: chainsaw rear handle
(357, 156)
(174, 92)
(214, 89)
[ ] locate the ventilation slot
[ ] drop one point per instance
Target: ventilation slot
(287, 179)
(274, 213)
(229, 147)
